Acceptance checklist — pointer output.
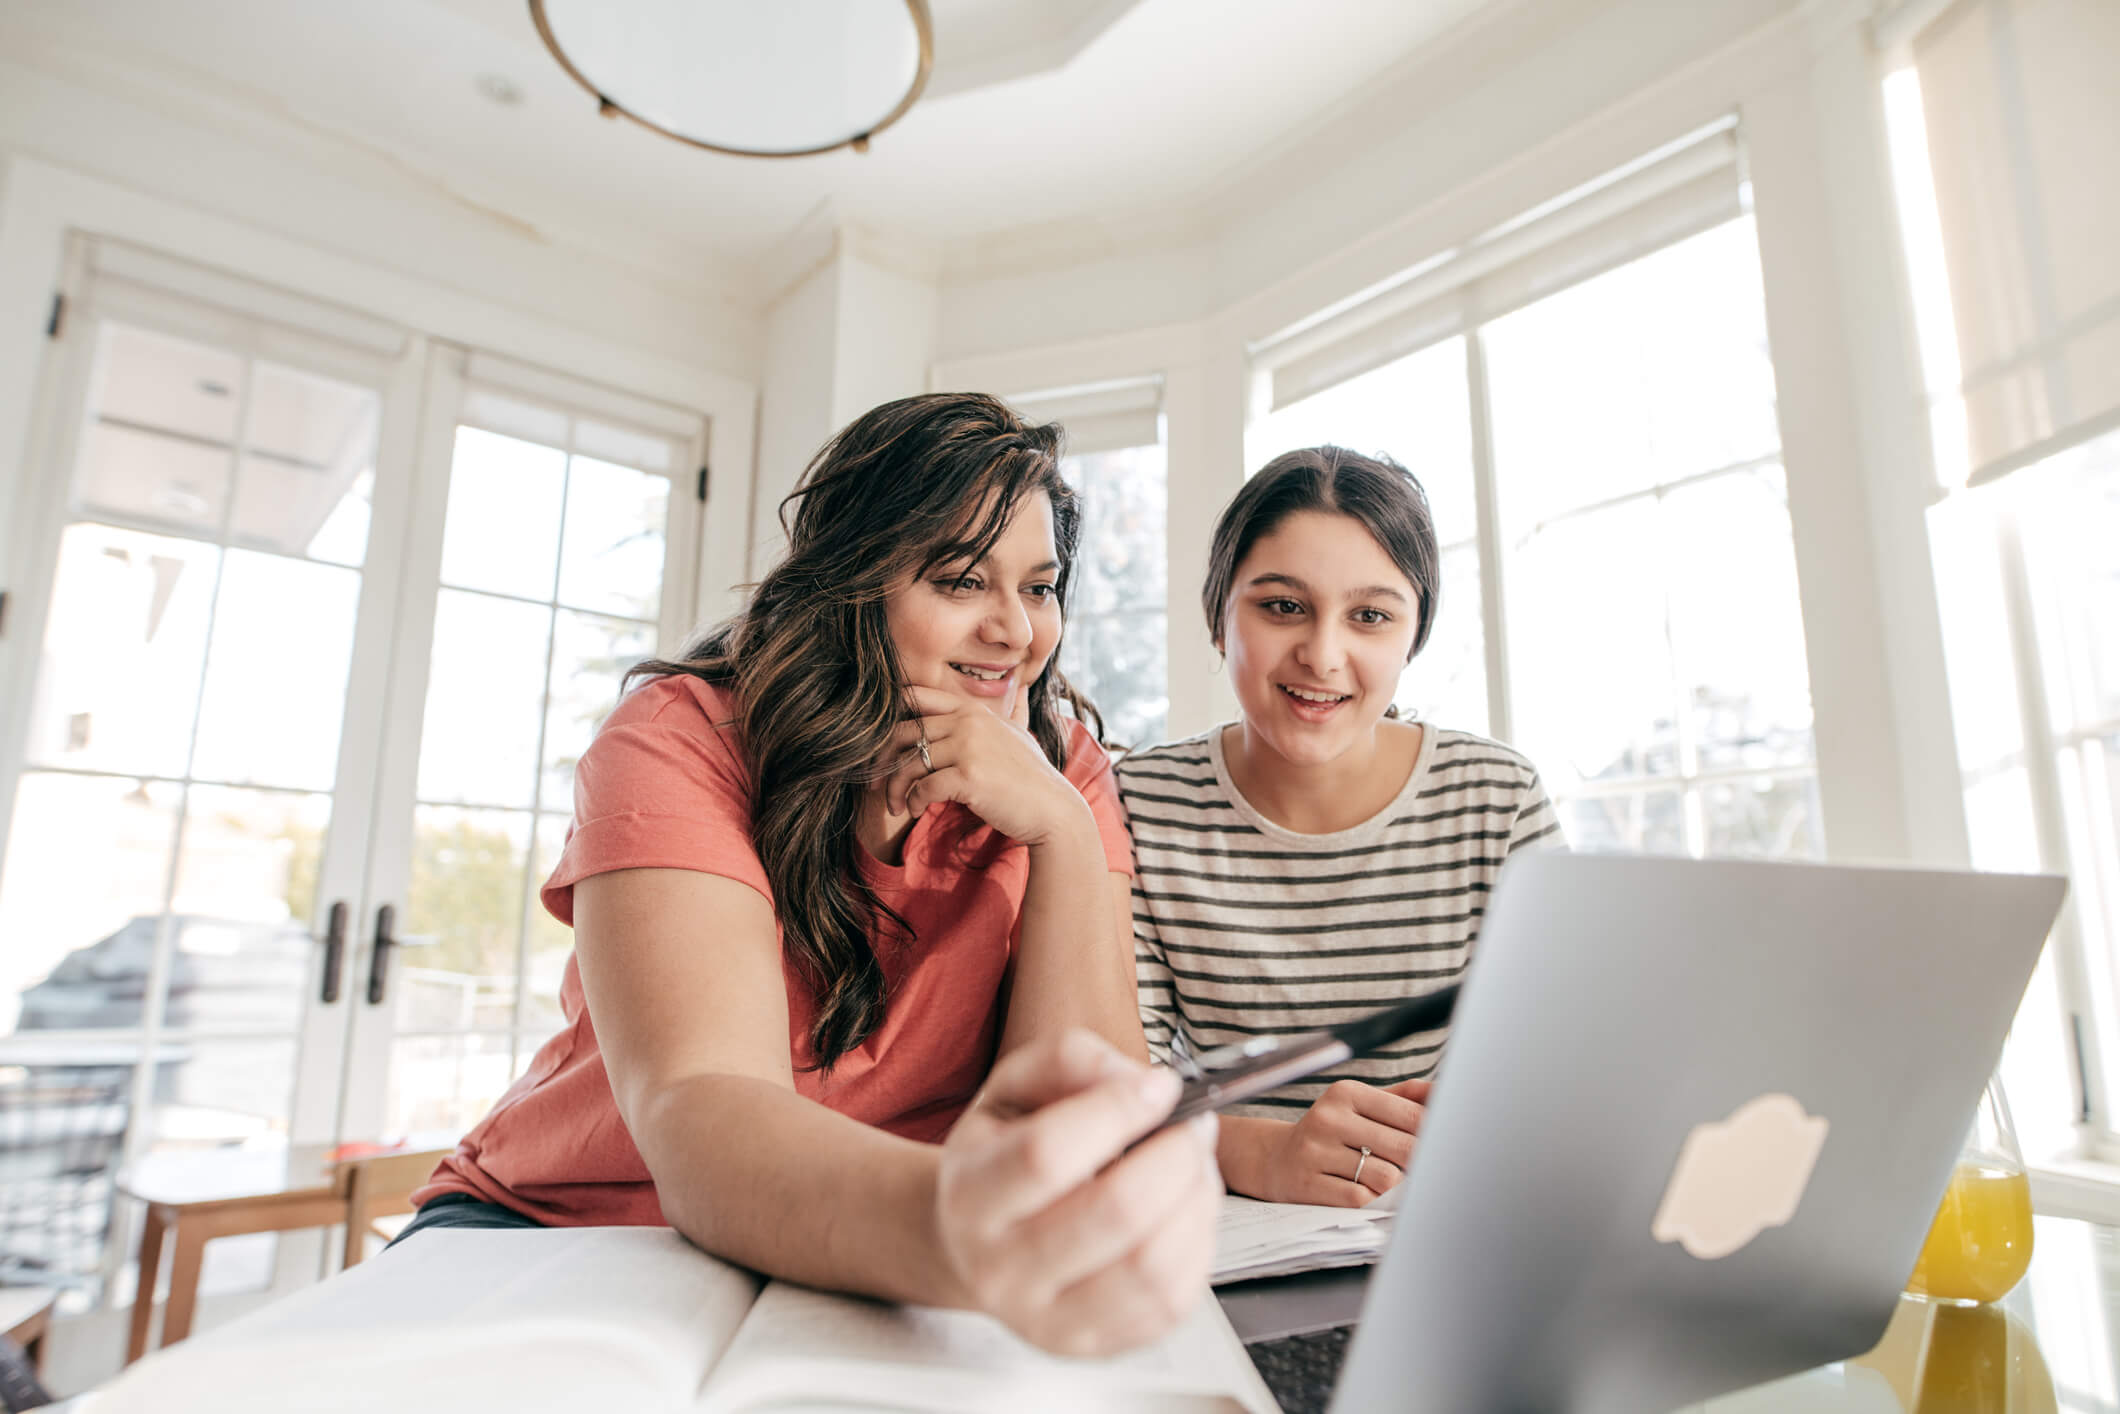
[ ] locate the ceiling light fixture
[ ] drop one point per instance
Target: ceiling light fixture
(784, 79)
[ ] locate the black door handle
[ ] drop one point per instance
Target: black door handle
(334, 952)
(379, 957)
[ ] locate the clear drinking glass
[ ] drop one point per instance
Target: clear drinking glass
(1981, 1241)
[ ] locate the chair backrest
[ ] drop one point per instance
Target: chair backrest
(377, 1186)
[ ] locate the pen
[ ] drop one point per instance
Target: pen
(1233, 1073)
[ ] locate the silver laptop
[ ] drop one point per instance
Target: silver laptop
(1693, 1123)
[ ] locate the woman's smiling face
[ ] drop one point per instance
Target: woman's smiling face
(984, 630)
(1321, 624)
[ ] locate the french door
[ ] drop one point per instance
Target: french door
(324, 612)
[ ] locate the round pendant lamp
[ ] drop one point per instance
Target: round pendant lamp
(757, 78)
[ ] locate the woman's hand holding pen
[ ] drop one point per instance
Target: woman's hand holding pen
(1320, 1158)
(1048, 1222)
(989, 763)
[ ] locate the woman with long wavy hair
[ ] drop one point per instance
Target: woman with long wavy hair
(852, 997)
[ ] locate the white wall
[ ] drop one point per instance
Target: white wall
(852, 333)
(334, 196)
(795, 400)
(1508, 105)
(888, 321)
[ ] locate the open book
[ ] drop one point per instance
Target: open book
(638, 1320)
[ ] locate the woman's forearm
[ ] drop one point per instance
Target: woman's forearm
(1072, 965)
(760, 1176)
(1241, 1147)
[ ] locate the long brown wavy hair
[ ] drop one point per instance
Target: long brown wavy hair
(899, 492)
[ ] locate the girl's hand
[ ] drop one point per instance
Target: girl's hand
(989, 764)
(1051, 1226)
(1314, 1160)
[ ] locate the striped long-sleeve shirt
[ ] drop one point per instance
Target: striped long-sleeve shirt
(1243, 928)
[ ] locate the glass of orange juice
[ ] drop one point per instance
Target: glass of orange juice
(1981, 1242)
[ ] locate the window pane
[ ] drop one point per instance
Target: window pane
(1589, 649)
(309, 449)
(1118, 663)
(590, 654)
(2071, 508)
(612, 559)
(87, 873)
(1973, 609)
(161, 430)
(2091, 812)
(1416, 411)
(1447, 681)
(1115, 648)
(1640, 822)
(1654, 371)
(1120, 560)
(152, 380)
(502, 532)
(442, 1085)
(123, 652)
(214, 1093)
(1770, 819)
(246, 897)
(469, 871)
(276, 677)
(2090, 808)
(485, 696)
(1736, 625)
(2004, 834)
(143, 475)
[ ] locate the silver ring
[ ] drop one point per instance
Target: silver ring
(925, 759)
(1357, 1178)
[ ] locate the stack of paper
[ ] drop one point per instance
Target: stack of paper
(1254, 1239)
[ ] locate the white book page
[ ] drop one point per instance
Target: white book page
(615, 1318)
(1254, 1238)
(807, 1350)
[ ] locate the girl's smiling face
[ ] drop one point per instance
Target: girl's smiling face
(1321, 623)
(984, 630)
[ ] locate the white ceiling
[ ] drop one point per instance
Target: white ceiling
(1042, 116)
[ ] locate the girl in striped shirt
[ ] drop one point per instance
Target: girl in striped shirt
(1318, 857)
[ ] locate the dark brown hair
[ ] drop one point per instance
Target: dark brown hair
(1383, 496)
(900, 491)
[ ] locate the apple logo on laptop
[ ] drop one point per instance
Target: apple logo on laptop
(1737, 1177)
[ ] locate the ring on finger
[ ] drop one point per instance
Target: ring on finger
(925, 759)
(1356, 1177)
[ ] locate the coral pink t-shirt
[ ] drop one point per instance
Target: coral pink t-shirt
(664, 786)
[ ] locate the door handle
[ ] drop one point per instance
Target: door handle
(334, 952)
(379, 956)
(387, 941)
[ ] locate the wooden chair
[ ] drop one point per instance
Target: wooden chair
(380, 1186)
(188, 1224)
(354, 1191)
(26, 1316)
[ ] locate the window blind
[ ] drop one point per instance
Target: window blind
(127, 279)
(1100, 417)
(1676, 191)
(2023, 125)
(506, 375)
